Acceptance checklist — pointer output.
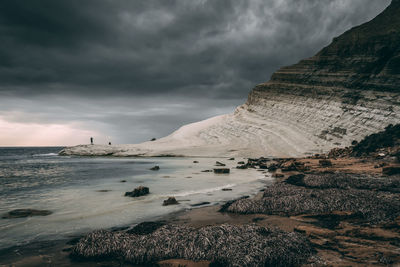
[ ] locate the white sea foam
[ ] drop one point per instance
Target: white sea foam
(46, 155)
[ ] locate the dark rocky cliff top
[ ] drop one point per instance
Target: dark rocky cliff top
(366, 57)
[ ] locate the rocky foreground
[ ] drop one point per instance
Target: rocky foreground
(340, 209)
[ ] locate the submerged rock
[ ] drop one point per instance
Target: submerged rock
(138, 192)
(22, 213)
(200, 204)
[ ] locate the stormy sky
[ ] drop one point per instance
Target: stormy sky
(127, 70)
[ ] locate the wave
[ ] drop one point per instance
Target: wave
(46, 155)
(203, 191)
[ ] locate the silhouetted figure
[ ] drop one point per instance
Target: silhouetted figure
(109, 143)
(91, 140)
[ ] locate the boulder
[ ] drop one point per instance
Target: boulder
(263, 166)
(155, 168)
(244, 166)
(138, 192)
(170, 201)
(273, 167)
(221, 170)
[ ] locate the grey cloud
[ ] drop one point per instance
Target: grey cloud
(113, 62)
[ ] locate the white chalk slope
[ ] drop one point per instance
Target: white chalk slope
(271, 123)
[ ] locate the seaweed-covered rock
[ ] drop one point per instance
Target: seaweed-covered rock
(145, 228)
(374, 199)
(223, 245)
(297, 179)
(391, 170)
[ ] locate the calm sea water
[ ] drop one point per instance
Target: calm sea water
(86, 193)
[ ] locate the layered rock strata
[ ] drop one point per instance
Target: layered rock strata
(350, 89)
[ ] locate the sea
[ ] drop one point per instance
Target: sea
(87, 193)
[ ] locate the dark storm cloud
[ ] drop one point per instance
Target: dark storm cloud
(142, 47)
(137, 69)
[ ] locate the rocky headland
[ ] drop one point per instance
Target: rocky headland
(348, 90)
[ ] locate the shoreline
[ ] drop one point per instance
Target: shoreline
(337, 237)
(56, 251)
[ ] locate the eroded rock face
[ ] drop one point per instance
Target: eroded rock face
(348, 90)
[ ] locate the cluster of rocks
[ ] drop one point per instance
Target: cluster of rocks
(284, 164)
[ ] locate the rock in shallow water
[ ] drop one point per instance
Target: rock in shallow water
(139, 191)
(170, 201)
(222, 170)
(21, 213)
